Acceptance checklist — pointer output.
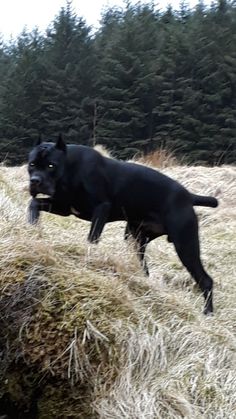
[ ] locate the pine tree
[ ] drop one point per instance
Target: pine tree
(213, 86)
(124, 121)
(20, 95)
(67, 100)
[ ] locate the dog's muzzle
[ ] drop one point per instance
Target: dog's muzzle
(37, 186)
(35, 182)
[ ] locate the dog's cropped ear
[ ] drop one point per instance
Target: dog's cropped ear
(60, 144)
(39, 140)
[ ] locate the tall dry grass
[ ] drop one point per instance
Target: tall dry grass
(160, 158)
(86, 335)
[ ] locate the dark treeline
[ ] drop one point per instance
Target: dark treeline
(146, 79)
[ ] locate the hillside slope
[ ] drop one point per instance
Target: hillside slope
(84, 334)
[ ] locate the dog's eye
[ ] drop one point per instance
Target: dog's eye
(32, 164)
(51, 166)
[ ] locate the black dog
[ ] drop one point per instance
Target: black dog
(80, 181)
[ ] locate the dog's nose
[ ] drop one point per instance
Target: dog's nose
(35, 180)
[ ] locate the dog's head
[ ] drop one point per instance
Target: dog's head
(46, 166)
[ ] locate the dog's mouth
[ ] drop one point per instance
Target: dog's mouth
(41, 192)
(43, 195)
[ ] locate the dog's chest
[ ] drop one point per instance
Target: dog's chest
(74, 211)
(82, 208)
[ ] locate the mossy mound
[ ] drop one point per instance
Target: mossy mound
(58, 323)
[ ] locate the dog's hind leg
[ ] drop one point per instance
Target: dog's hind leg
(127, 232)
(183, 231)
(142, 244)
(141, 240)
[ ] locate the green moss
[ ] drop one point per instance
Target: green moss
(62, 401)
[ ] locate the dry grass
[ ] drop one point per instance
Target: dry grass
(87, 335)
(103, 150)
(160, 158)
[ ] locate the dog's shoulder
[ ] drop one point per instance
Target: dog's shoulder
(82, 153)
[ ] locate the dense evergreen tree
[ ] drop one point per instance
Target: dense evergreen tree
(212, 39)
(4, 66)
(21, 88)
(68, 89)
(127, 81)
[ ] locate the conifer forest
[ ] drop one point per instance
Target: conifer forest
(145, 79)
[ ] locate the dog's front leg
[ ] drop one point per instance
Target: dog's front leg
(99, 219)
(36, 205)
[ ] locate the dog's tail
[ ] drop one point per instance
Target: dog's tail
(204, 201)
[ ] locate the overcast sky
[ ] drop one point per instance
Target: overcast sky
(15, 14)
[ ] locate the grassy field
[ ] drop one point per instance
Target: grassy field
(84, 334)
